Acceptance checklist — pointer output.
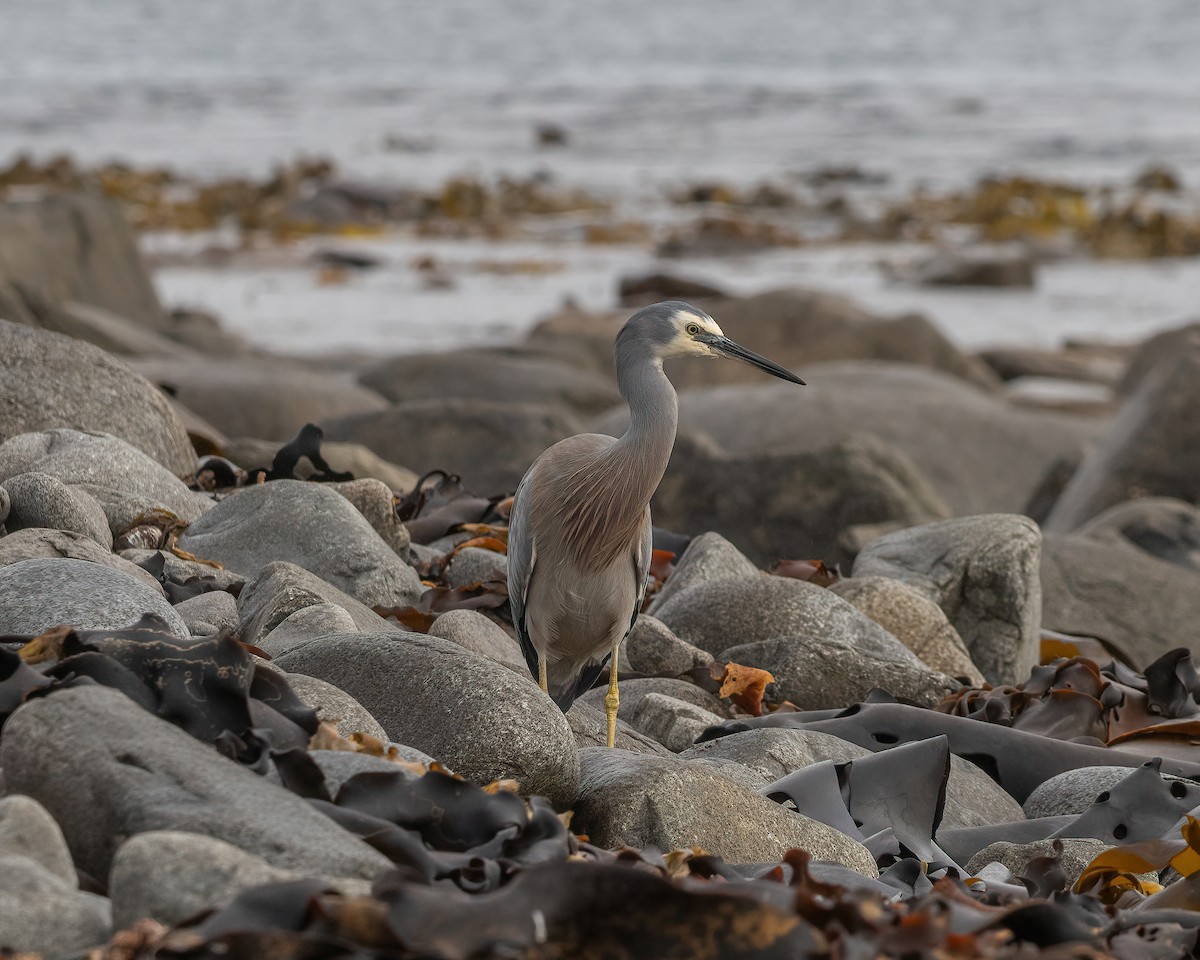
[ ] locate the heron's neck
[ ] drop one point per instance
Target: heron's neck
(645, 448)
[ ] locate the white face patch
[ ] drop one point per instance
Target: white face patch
(684, 344)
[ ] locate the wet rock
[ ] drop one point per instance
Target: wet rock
(39, 594)
(335, 706)
(42, 914)
(40, 501)
(708, 557)
(473, 631)
(431, 694)
(991, 266)
(1076, 855)
(270, 399)
(1165, 528)
(107, 770)
(104, 466)
(352, 458)
(914, 620)
(983, 573)
(475, 565)
(489, 444)
(52, 544)
(633, 690)
(629, 799)
(310, 526)
(1150, 449)
(170, 875)
(28, 830)
(209, 613)
(49, 381)
(652, 648)
(373, 499)
(674, 723)
(282, 591)
(590, 727)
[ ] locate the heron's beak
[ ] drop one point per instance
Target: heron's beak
(726, 347)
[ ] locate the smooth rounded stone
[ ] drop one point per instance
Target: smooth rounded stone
(717, 615)
(1072, 792)
(209, 613)
(973, 799)
(707, 559)
(984, 573)
(1077, 853)
(172, 875)
(5, 505)
(264, 397)
(106, 467)
(914, 620)
(651, 647)
(485, 722)
(41, 501)
(472, 631)
(281, 591)
(28, 830)
(487, 443)
(824, 674)
(475, 565)
(49, 381)
(335, 706)
(39, 594)
(55, 544)
(340, 765)
(630, 799)
(1141, 606)
(42, 914)
(106, 770)
(631, 691)
(1166, 528)
(990, 265)
(590, 727)
(310, 526)
(673, 723)
(352, 458)
(374, 500)
(123, 511)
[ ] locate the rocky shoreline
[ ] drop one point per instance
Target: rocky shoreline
(914, 677)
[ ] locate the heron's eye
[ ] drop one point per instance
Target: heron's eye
(692, 329)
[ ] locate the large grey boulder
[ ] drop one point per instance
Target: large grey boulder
(374, 500)
(472, 631)
(40, 913)
(307, 623)
(652, 648)
(476, 565)
(335, 706)
(39, 594)
(41, 544)
(708, 558)
(28, 830)
(674, 723)
(107, 770)
(48, 381)
(983, 572)
(209, 613)
(310, 526)
(1073, 791)
(483, 722)
(590, 727)
(630, 799)
(1165, 528)
(40, 501)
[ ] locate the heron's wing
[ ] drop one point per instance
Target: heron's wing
(522, 555)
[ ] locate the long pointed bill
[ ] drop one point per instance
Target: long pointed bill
(738, 352)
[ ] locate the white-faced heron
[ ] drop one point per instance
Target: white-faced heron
(579, 534)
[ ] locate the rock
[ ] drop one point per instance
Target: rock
(281, 591)
(987, 266)
(495, 376)
(475, 565)
(171, 566)
(983, 573)
(104, 466)
(171, 875)
(5, 505)
(472, 631)
(97, 326)
(716, 616)
(373, 499)
(49, 381)
(107, 770)
(652, 648)
(485, 723)
(973, 799)
(914, 620)
(1139, 606)
(633, 690)
(708, 558)
(340, 765)
(310, 526)
(644, 289)
(335, 706)
(39, 501)
(39, 594)
(45, 544)
(489, 444)
(352, 458)
(1148, 451)
(1076, 855)
(590, 727)
(209, 613)
(1165, 528)
(41, 914)
(818, 674)
(28, 830)
(1072, 792)
(1164, 347)
(673, 723)
(630, 799)
(267, 398)
(1080, 363)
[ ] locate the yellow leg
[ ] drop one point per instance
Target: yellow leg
(612, 699)
(542, 676)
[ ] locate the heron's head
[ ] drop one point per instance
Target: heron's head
(677, 329)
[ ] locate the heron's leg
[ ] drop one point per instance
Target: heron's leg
(542, 676)
(612, 699)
